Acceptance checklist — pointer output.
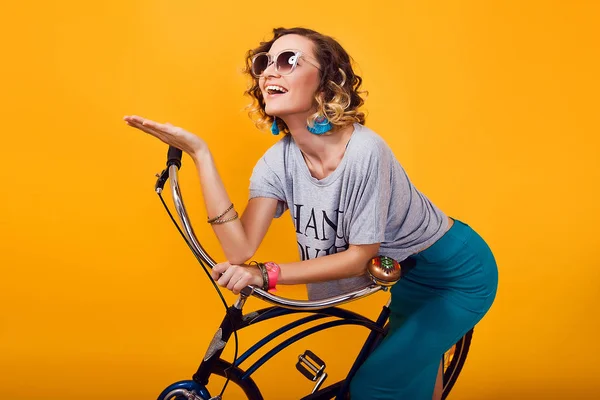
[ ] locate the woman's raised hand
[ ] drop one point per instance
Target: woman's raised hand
(171, 135)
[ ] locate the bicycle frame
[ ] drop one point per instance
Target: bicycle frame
(235, 320)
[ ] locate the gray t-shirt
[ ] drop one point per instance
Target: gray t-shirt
(367, 199)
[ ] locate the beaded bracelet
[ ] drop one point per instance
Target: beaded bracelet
(265, 274)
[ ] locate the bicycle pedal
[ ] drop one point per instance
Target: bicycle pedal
(312, 367)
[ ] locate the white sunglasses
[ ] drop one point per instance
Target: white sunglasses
(285, 62)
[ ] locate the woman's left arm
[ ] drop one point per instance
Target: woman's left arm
(349, 263)
(346, 264)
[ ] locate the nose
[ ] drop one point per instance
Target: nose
(270, 70)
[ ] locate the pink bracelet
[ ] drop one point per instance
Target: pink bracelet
(273, 273)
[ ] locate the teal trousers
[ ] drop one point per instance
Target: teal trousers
(450, 288)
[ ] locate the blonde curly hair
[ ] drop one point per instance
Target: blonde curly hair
(338, 96)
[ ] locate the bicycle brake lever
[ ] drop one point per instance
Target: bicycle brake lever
(162, 179)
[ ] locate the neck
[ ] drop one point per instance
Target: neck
(322, 153)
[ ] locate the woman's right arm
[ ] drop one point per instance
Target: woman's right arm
(239, 238)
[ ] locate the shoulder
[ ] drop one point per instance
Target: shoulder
(274, 157)
(365, 144)
(278, 150)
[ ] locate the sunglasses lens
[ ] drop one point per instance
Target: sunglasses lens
(260, 63)
(286, 61)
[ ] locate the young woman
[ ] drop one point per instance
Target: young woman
(350, 200)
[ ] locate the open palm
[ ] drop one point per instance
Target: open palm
(171, 135)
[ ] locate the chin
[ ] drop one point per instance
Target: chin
(282, 112)
(276, 111)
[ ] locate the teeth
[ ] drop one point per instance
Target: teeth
(276, 88)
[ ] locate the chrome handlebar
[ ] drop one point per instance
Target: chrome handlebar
(199, 252)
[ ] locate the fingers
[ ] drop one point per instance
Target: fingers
(219, 269)
(133, 118)
(227, 275)
(241, 283)
(232, 277)
(239, 277)
(234, 281)
(138, 122)
(158, 127)
(147, 129)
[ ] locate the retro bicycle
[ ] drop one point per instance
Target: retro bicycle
(384, 273)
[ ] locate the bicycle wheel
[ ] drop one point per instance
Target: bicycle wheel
(454, 359)
(248, 388)
(174, 391)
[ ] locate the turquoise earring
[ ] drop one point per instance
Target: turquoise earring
(321, 125)
(275, 127)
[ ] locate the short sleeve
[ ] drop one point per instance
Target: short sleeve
(370, 197)
(264, 182)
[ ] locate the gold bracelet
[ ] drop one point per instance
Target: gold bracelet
(222, 221)
(211, 220)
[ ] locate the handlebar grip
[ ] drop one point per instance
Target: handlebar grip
(174, 157)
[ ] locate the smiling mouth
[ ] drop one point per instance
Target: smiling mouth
(275, 90)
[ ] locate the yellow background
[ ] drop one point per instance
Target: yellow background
(492, 108)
